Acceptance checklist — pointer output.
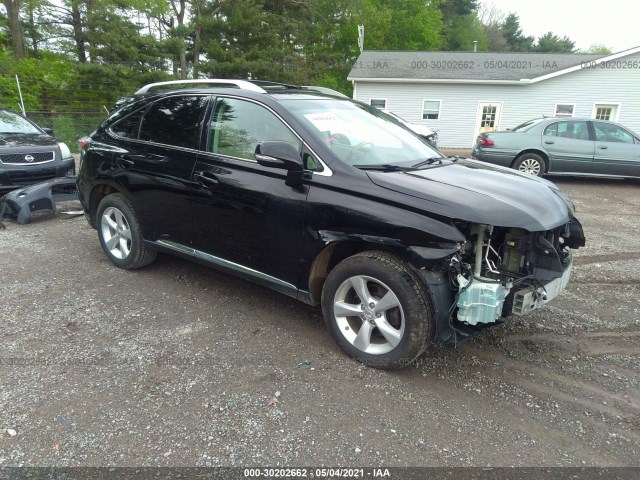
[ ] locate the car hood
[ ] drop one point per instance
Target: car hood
(420, 129)
(482, 193)
(14, 140)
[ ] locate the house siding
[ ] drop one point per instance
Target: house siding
(459, 102)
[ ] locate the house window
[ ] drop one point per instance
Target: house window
(379, 103)
(564, 109)
(431, 109)
(488, 119)
(605, 111)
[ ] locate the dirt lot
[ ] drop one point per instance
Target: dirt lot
(178, 365)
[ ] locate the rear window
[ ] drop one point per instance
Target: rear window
(523, 127)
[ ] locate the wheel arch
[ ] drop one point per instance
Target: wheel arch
(335, 252)
(536, 151)
(98, 192)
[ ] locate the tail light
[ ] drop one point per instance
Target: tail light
(83, 142)
(485, 142)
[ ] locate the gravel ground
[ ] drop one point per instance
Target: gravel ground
(178, 365)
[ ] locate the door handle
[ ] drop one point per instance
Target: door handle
(602, 147)
(206, 179)
(549, 142)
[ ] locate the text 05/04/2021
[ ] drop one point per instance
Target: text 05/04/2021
(482, 65)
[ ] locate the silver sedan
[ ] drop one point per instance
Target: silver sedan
(560, 145)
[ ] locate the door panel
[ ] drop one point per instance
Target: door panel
(617, 151)
(156, 167)
(158, 180)
(569, 146)
(244, 213)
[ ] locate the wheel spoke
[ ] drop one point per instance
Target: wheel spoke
(126, 233)
(359, 284)
(119, 218)
(363, 339)
(112, 242)
(109, 221)
(390, 334)
(124, 247)
(343, 309)
(388, 301)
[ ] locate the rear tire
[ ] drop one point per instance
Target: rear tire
(530, 163)
(120, 235)
(378, 310)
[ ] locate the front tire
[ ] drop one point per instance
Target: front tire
(120, 235)
(378, 310)
(530, 163)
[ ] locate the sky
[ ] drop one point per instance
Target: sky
(612, 23)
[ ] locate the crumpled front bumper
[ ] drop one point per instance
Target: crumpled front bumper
(530, 298)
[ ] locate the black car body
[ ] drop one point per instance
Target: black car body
(28, 154)
(313, 197)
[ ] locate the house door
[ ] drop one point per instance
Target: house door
(488, 117)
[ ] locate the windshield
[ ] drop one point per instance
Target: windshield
(361, 135)
(13, 123)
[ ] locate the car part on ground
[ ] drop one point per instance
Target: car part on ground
(29, 154)
(23, 203)
(563, 146)
(332, 202)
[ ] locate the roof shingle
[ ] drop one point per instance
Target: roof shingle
(478, 66)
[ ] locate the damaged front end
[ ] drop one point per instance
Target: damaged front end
(501, 271)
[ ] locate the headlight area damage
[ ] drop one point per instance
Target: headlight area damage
(497, 272)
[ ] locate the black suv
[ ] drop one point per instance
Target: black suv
(329, 201)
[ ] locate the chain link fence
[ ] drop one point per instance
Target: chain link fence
(72, 109)
(69, 127)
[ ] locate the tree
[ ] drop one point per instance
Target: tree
(518, 42)
(597, 48)
(15, 27)
(461, 25)
(462, 33)
(551, 43)
(492, 21)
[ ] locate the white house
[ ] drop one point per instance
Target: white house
(461, 94)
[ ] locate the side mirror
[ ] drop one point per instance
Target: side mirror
(48, 131)
(280, 154)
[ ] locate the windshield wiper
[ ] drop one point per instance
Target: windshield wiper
(385, 167)
(428, 161)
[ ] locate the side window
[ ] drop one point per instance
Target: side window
(551, 130)
(237, 126)
(128, 127)
(572, 130)
(174, 121)
(605, 132)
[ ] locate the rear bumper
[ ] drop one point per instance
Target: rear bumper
(495, 157)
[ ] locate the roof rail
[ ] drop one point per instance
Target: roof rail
(247, 85)
(329, 91)
(270, 85)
